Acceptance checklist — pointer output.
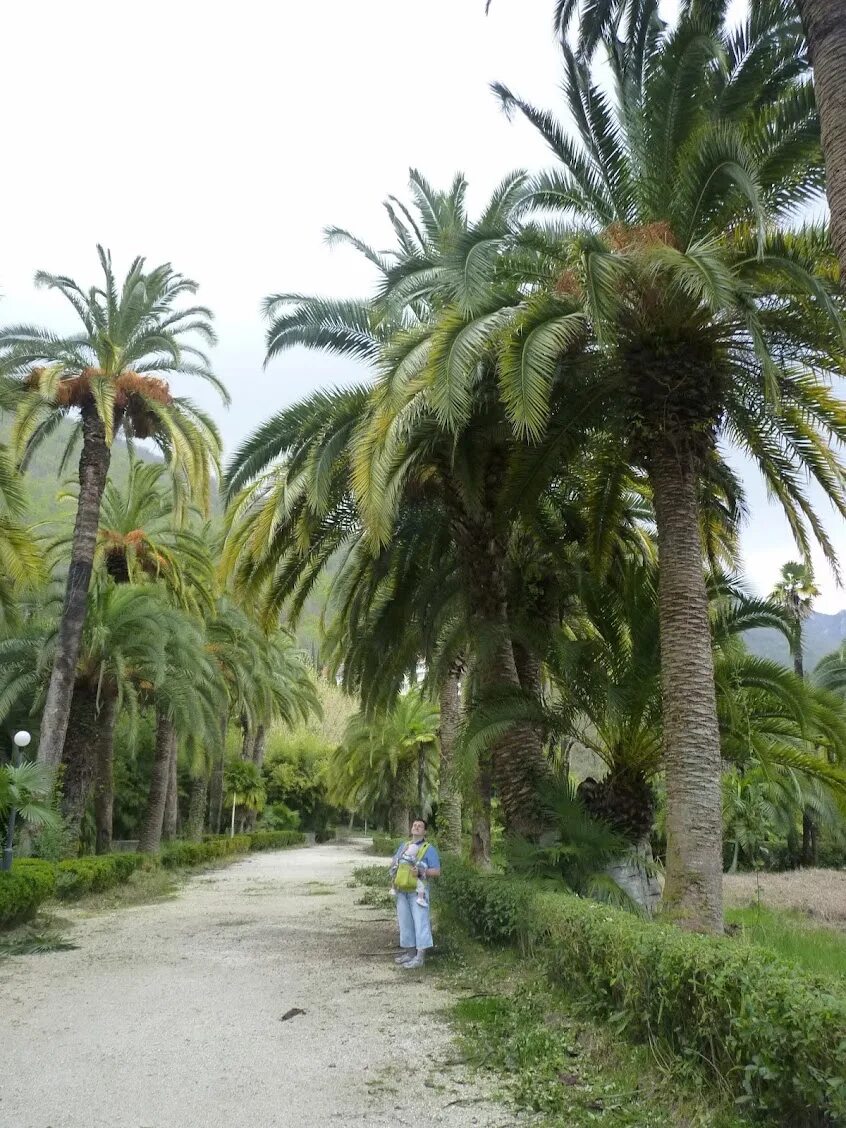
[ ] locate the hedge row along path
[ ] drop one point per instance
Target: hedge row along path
(170, 1015)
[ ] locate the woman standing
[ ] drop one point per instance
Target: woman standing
(412, 867)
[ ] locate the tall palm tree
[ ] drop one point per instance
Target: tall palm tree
(121, 652)
(187, 701)
(143, 538)
(428, 265)
(705, 324)
(825, 26)
(114, 373)
(796, 592)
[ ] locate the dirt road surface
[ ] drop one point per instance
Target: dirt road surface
(169, 1015)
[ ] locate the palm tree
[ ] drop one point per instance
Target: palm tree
(704, 324)
(25, 793)
(796, 592)
(388, 762)
(422, 459)
(244, 789)
(144, 534)
(187, 702)
(122, 655)
(140, 540)
(114, 373)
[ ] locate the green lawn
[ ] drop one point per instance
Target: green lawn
(793, 936)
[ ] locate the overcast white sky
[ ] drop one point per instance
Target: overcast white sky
(223, 138)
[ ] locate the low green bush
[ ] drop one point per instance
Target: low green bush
(383, 846)
(23, 889)
(276, 839)
(177, 854)
(776, 1036)
(77, 876)
(492, 908)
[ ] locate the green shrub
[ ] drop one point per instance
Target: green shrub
(78, 876)
(279, 816)
(383, 846)
(276, 839)
(178, 854)
(23, 889)
(492, 908)
(373, 876)
(776, 1036)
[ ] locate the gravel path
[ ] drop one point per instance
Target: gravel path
(169, 1015)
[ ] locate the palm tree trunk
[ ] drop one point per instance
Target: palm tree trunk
(104, 788)
(449, 794)
(693, 890)
(171, 811)
(93, 471)
(79, 757)
(247, 740)
(216, 787)
(151, 831)
(519, 765)
(809, 830)
(197, 807)
(809, 838)
(256, 751)
(480, 845)
(398, 817)
(259, 745)
(825, 28)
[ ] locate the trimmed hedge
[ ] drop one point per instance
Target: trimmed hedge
(276, 839)
(32, 880)
(776, 1035)
(23, 890)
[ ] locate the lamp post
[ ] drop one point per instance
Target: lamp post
(21, 740)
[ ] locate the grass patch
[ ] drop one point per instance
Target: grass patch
(144, 887)
(558, 1062)
(376, 899)
(792, 936)
(319, 889)
(820, 893)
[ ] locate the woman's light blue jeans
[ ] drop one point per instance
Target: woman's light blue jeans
(415, 924)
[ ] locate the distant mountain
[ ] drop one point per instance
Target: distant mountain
(821, 634)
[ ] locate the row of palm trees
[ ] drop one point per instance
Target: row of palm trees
(554, 388)
(560, 377)
(145, 623)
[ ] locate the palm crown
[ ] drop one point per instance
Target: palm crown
(133, 339)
